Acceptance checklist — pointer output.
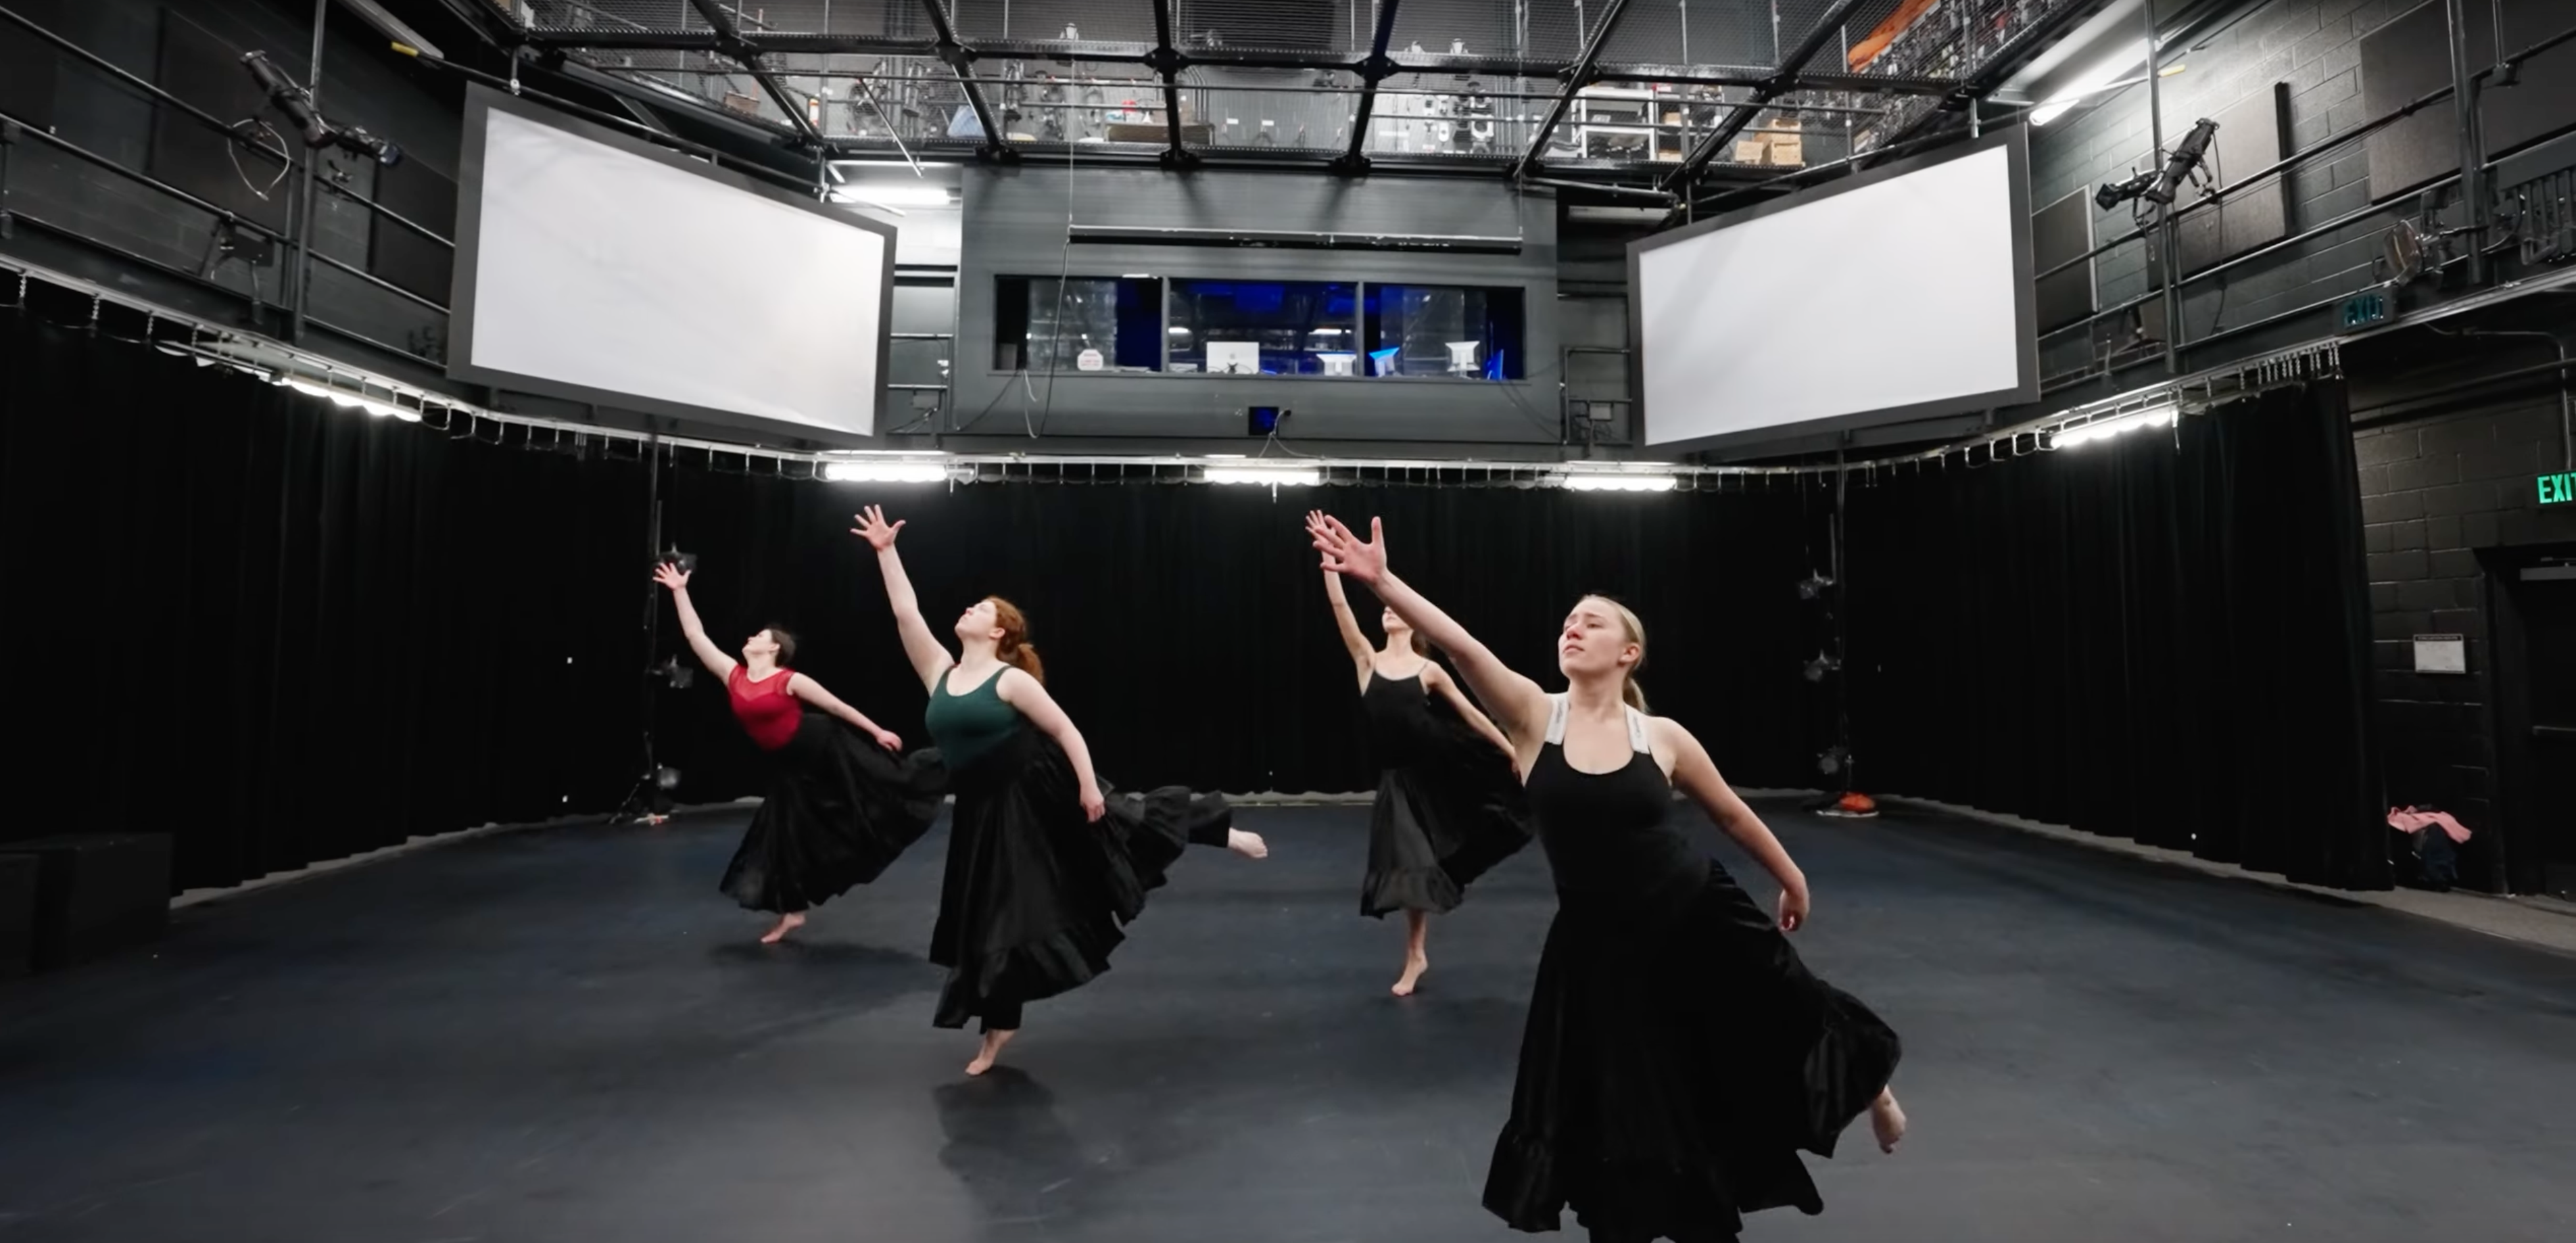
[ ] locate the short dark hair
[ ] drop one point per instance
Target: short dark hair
(786, 643)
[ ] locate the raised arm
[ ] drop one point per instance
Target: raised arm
(1030, 697)
(713, 657)
(1467, 710)
(1518, 702)
(812, 692)
(929, 658)
(1697, 776)
(1363, 657)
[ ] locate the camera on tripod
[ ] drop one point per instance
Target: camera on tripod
(297, 103)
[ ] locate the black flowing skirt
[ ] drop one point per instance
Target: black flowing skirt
(1670, 1073)
(1036, 897)
(1435, 829)
(839, 808)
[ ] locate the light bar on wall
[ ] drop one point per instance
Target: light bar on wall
(1266, 476)
(2153, 416)
(2127, 61)
(886, 472)
(1620, 481)
(347, 400)
(894, 196)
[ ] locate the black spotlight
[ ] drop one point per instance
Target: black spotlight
(687, 561)
(317, 132)
(1822, 665)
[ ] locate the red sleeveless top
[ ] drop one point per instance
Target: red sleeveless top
(767, 712)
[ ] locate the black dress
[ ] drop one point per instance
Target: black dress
(838, 809)
(1677, 1054)
(1036, 897)
(1448, 806)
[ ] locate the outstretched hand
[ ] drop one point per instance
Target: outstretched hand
(874, 528)
(670, 575)
(1345, 553)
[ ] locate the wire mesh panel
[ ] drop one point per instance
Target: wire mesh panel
(1088, 21)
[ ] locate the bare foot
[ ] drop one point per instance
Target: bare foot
(1887, 1121)
(787, 923)
(991, 1052)
(1249, 845)
(1414, 966)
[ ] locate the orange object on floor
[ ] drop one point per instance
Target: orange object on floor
(1858, 803)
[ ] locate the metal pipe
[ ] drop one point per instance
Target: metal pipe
(1149, 83)
(2171, 246)
(381, 283)
(302, 293)
(627, 124)
(2566, 397)
(2464, 107)
(83, 153)
(1660, 196)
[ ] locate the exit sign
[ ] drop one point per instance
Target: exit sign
(2558, 489)
(2364, 309)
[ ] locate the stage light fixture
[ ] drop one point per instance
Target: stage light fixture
(674, 673)
(1822, 665)
(2159, 186)
(1814, 586)
(1266, 476)
(317, 132)
(885, 472)
(1619, 481)
(2155, 416)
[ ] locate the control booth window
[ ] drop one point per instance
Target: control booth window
(1237, 327)
(1464, 332)
(1077, 324)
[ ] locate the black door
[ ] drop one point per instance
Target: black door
(2548, 607)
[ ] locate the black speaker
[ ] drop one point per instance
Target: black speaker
(17, 915)
(96, 893)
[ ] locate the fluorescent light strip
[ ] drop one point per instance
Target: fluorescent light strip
(2129, 60)
(2160, 416)
(1266, 476)
(885, 472)
(893, 196)
(1607, 481)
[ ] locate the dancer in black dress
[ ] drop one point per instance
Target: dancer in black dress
(1677, 1053)
(1449, 802)
(1045, 865)
(839, 806)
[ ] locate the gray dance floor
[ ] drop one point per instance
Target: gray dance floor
(564, 1035)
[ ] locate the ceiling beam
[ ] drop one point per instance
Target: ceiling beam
(1577, 76)
(1374, 69)
(961, 61)
(2007, 61)
(1784, 79)
(729, 42)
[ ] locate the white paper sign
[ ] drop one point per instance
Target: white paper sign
(1089, 360)
(2441, 653)
(1234, 357)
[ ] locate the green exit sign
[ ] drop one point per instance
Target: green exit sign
(2558, 489)
(2364, 309)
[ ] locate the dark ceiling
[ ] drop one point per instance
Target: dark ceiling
(1639, 102)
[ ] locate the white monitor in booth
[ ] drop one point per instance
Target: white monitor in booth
(601, 268)
(1901, 293)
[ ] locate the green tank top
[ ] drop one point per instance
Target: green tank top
(966, 726)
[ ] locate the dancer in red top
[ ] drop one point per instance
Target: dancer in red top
(838, 809)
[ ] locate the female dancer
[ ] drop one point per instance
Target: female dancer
(838, 810)
(1677, 1053)
(1448, 803)
(1044, 868)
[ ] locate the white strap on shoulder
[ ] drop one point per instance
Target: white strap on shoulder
(1556, 719)
(1640, 738)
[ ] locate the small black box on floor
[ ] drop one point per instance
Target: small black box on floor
(17, 914)
(96, 893)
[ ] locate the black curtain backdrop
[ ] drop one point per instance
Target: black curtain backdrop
(2163, 638)
(287, 632)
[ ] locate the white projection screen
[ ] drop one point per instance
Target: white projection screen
(604, 269)
(1899, 294)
